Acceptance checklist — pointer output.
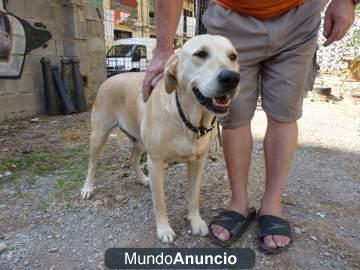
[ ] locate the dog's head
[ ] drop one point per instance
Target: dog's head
(207, 67)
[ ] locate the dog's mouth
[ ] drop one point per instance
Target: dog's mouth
(218, 105)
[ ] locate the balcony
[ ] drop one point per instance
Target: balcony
(125, 11)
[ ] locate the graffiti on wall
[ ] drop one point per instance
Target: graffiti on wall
(17, 39)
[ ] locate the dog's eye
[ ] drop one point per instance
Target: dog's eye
(201, 54)
(233, 57)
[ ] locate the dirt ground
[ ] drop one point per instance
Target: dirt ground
(45, 225)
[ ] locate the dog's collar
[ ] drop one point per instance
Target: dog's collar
(199, 131)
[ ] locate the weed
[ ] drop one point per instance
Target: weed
(143, 164)
(71, 165)
(143, 158)
(30, 165)
(18, 188)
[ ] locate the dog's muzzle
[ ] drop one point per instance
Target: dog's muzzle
(228, 81)
(218, 105)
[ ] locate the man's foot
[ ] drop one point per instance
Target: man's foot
(220, 232)
(274, 241)
(231, 223)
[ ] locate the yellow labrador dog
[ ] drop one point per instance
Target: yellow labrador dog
(199, 82)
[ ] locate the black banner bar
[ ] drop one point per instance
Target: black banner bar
(179, 258)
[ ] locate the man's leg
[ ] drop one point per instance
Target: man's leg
(237, 138)
(237, 144)
(279, 147)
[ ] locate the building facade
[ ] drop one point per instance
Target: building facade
(136, 18)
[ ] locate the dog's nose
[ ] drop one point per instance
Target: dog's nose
(228, 79)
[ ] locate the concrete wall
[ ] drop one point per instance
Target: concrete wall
(77, 30)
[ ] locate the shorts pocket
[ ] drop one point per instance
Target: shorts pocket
(214, 17)
(309, 84)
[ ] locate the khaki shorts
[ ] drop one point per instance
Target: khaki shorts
(277, 59)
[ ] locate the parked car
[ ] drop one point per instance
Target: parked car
(129, 55)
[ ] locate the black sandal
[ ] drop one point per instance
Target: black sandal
(272, 225)
(232, 221)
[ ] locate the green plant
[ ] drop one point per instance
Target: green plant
(354, 61)
(31, 164)
(143, 164)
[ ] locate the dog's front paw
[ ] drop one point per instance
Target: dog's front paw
(165, 234)
(145, 181)
(87, 192)
(199, 226)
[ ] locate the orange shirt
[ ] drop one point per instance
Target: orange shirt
(261, 9)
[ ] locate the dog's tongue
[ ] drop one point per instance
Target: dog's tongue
(221, 100)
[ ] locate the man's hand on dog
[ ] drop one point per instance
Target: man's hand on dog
(339, 17)
(155, 70)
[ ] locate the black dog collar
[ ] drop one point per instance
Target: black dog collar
(200, 131)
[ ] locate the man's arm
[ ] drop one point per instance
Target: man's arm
(339, 17)
(167, 14)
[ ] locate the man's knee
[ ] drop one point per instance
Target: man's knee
(235, 124)
(281, 119)
(235, 133)
(282, 122)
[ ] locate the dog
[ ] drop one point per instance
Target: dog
(176, 122)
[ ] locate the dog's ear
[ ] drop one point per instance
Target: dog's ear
(170, 73)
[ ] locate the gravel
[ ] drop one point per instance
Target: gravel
(3, 247)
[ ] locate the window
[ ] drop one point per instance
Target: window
(118, 34)
(142, 51)
(120, 51)
(152, 12)
(187, 13)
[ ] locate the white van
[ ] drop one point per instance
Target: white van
(129, 55)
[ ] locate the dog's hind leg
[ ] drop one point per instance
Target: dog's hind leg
(195, 173)
(100, 129)
(135, 163)
(164, 232)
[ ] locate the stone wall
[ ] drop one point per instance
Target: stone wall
(56, 28)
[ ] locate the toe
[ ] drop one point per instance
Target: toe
(281, 241)
(87, 192)
(224, 235)
(216, 229)
(166, 234)
(220, 232)
(269, 242)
